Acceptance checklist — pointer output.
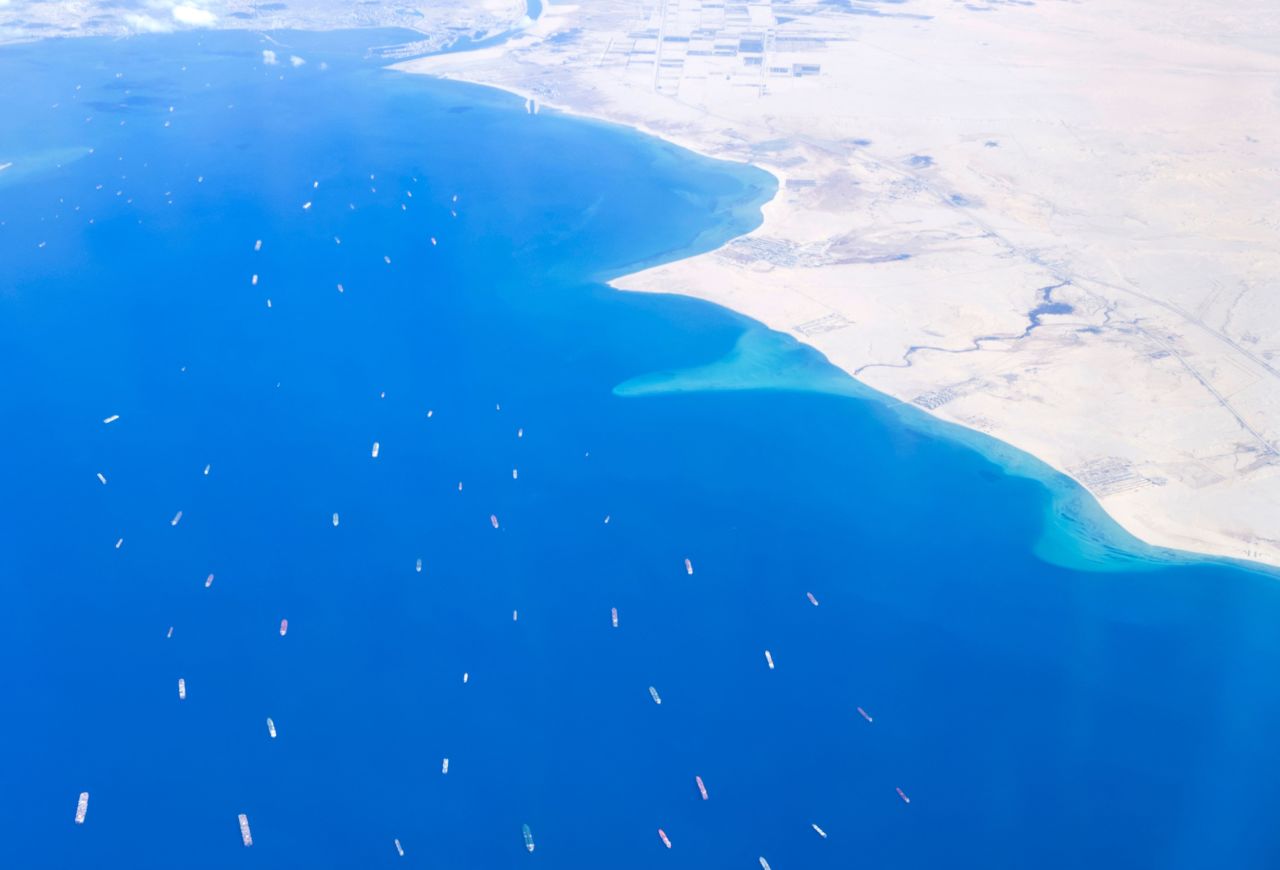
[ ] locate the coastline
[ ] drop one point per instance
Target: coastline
(858, 560)
(1160, 536)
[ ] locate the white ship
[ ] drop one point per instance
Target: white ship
(82, 807)
(688, 567)
(271, 728)
(768, 657)
(112, 418)
(444, 766)
(335, 519)
(614, 612)
(182, 689)
(208, 581)
(812, 600)
(176, 517)
(102, 479)
(418, 566)
(244, 830)
(399, 849)
(528, 838)
(821, 833)
(654, 693)
(376, 447)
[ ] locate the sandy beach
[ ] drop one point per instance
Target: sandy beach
(1052, 224)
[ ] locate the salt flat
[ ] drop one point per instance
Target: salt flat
(1055, 223)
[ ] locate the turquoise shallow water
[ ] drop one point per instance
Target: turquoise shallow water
(1036, 714)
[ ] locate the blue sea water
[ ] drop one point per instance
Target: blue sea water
(1048, 693)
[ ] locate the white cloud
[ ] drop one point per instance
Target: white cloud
(269, 57)
(194, 16)
(296, 61)
(147, 24)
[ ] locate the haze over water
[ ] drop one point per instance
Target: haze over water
(1035, 715)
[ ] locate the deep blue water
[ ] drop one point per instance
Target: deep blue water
(1037, 716)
